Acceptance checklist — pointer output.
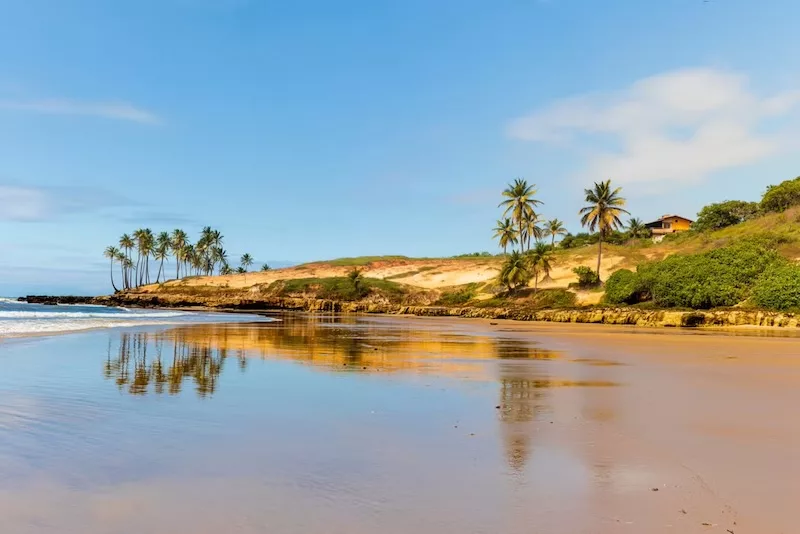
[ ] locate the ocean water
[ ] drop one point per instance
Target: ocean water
(20, 318)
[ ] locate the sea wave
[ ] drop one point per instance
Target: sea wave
(24, 314)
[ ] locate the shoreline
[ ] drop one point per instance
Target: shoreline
(626, 316)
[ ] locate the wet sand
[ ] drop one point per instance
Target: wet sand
(396, 425)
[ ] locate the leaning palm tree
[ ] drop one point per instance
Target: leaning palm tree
(122, 259)
(160, 254)
(112, 253)
(636, 228)
(540, 260)
(519, 202)
(554, 228)
(514, 272)
(530, 228)
(505, 233)
(602, 213)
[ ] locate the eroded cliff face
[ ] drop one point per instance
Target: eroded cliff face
(617, 316)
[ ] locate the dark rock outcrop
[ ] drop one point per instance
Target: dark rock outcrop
(54, 299)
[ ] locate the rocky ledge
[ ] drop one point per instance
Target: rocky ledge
(617, 316)
(53, 300)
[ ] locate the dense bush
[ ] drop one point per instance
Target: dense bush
(782, 196)
(721, 277)
(586, 277)
(722, 214)
(778, 288)
(583, 239)
(625, 287)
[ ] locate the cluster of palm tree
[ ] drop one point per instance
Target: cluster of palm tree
(205, 257)
(521, 223)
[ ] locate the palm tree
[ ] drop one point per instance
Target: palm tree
(122, 259)
(356, 278)
(218, 256)
(162, 253)
(246, 261)
(127, 265)
(505, 233)
(112, 253)
(540, 260)
(514, 272)
(178, 243)
(126, 244)
(554, 227)
(225, 269)
(530, 228)
(138, 238)
(602, 213)
(519, 202)
(147, 245)
(636, 228)
(265, 268)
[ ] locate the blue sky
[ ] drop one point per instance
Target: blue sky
(314, 129)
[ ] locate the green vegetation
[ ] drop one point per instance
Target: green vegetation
(205, 257)
(587, 278)
(602, 213)
(468, 255)
(520, 201)
(409, 274)
(345, 288)
(724, 214)
(781, 197)
(459, 295)
(625, 287)
(515, 272)
(506, 234)
(778, 288)
(555, 228)
(538, 300)
(717, 278)
(359, 261)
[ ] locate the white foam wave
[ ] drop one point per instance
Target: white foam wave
(87, 315)
(37, 327)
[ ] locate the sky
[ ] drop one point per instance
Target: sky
(313, 129)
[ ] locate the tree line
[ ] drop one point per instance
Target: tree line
(137, 251)
(520, 224)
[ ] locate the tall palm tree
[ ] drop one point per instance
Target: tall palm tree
(178, 243)
(603, 212)
(112, 253)
(519, 202)
(554, 228)
(188, 254)
(218, 256)
(161, 253)
(636, 228)
(514, 272)
(246, 261)
(505, 233)
(540, 259)
(122, 259)
(530, 228)
(146, 245)
(138, 238)
(126, 244)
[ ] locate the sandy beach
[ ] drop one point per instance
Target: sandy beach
(364, 424)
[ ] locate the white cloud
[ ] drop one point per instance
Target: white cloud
(107, 110)
(677, 126)
(33, 204)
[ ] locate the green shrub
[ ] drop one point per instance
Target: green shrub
(586, 277)
(554, 298)
(458, 296)
(782, 196)
(778, 288)
(339, 288)
(625, 287)
(721, 277)
(723, 214)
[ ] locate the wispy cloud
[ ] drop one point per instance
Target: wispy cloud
(678, 126)
(107, 110)
(36, 204)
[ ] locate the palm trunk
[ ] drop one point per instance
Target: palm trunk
(553, 242)
(535, 279)
(599, 255)
(177, 267)
(112, 276)
(160, 267)
(521, 238)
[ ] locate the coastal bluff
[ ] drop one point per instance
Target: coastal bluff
(591, 315)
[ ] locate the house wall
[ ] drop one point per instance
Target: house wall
(678, 224)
